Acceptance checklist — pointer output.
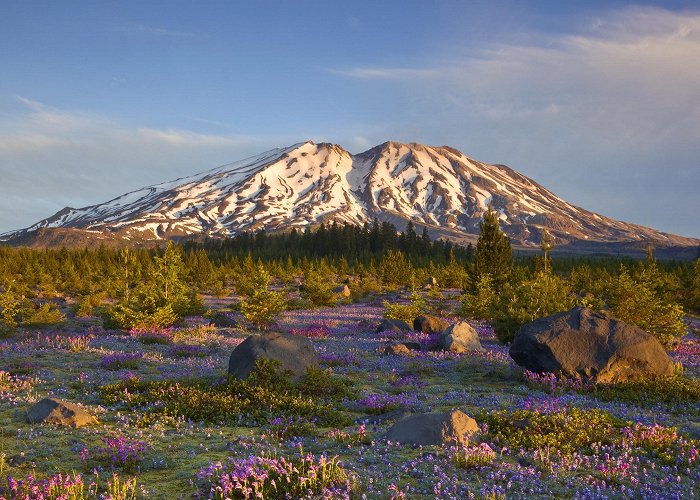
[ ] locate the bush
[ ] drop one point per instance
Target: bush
(634, 300)
(271, 477)
(567, 429)
(160, 299)
(542, 295)
(483, 303)
(649, 392)
(46, 314)
(406, 312)
(318, 289)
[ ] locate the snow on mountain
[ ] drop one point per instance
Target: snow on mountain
(305, 184)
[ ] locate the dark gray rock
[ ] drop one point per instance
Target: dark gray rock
(59, 412)
(393, 325)
(582, 343)
(223, 320)
(429, 324)
(295, 353)
(434, 429)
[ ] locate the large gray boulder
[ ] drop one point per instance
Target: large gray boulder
(295, 353)
(59, 412)
(429, 324)
(583, 343)
(460, 337)
(434, 429)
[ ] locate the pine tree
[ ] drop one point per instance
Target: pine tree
(262, 306)
(546, 246)
(493, 255)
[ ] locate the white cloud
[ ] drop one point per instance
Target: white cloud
(612, 111)
(50, 158)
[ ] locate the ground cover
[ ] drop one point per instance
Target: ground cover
(173, 426)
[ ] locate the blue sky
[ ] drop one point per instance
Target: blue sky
(599, 101)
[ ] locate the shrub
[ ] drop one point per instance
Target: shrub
(320, 383)
(271, 477)
(88, 303)
(406, 312)
(318, 289)
(567, 430)
(542, 295)
(46, 314)
(483, 302)
(649, 392)
(152, 335)
(635, 301)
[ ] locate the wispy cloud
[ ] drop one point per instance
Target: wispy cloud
(612, 110)
(54, 157)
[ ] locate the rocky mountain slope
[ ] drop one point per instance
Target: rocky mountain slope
(307, 183)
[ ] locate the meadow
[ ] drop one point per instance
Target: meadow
(167, 429)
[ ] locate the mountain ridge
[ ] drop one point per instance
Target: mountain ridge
(306, 184)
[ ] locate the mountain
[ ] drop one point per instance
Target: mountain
(305, 184)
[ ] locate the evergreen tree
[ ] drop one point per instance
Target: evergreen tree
(262, 306)
(493, 255)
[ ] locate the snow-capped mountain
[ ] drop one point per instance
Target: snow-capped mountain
(307, 183)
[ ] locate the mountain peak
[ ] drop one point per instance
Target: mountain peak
(307, 183)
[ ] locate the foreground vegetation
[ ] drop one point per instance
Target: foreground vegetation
(126, 333)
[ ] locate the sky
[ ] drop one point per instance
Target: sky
(599, 101)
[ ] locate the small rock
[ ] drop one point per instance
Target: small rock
(342, 290)
(460, 337)
(429, 324)
(434, 429)
(59, 412)
(402, 348)
(393, 325)
(223, 320)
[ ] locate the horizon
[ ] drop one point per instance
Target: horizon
(101, 100)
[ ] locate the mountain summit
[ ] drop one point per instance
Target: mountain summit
(305, 184)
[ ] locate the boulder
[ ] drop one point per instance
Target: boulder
(223, 320)
(402, 348)
(460, 337)
(393, 325)
(429, 324)
(59, 412)
(366, 325)
(434, 429)
(583, 343)
(342, 290)
(295, 353)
